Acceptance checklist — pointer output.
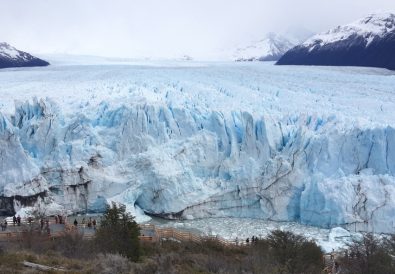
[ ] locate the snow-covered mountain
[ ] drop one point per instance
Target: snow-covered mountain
(310, 145)
(369, 41)
(11, 57)
(271, 48)
(297, 34)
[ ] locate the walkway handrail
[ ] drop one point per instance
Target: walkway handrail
(160, 234)
(184, 236)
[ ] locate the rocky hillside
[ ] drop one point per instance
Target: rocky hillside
(11, 57)
(368, 42)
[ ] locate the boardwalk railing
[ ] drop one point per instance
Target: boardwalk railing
(158, 235)
(182, 236)
(19, 235)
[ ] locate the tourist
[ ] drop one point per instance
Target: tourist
(42, 223)
(14, 220)
(94, 224)
(237, 241)
(18, 220)
(333, 255)
(60, 219)
(5, 224)
(75, 223)
(83, 222)
(248, 240)
(56, 219)
(90, 222)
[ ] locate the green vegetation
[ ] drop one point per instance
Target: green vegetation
(369, 255)
(118, 233)
(76, 255)
(294, 253)
(117, 249)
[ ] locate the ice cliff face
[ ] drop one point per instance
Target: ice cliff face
(11, 57)
(184, 163)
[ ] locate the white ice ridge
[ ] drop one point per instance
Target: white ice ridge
(189, 140)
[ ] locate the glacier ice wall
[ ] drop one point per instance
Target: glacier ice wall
(182, 163)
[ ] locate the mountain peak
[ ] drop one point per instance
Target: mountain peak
(367, 42)
(12, 57)
(375, 24)
(270, 48)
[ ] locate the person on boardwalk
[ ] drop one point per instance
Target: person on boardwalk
(18, 220)
(5, 225)
(90, 223)
(14, 220)
(94, 224)
(47, 229)
(60, 219)
(333, 255)
(83, 222)
(42, 223)
(29, 219)
(56, 219)
(75, 223)
(248, 240)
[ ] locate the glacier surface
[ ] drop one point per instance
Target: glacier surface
(194, 140)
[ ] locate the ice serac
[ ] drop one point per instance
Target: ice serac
(368, 42)
(184, 163)
(11, 57)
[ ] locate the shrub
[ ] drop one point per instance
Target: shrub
(369, 256)
(72, 245)
(113, 263)
(294, 252)
(118, 233)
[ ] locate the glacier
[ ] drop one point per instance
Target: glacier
(192, 140)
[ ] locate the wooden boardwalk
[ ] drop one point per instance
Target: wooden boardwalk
(149, 233)
(164, 234)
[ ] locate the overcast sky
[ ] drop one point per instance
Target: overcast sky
(165, 28)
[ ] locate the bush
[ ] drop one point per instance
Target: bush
(72, 245)
(294, 253)
(34, 239)
(369, 256)
(113, 263)
(118, 233)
